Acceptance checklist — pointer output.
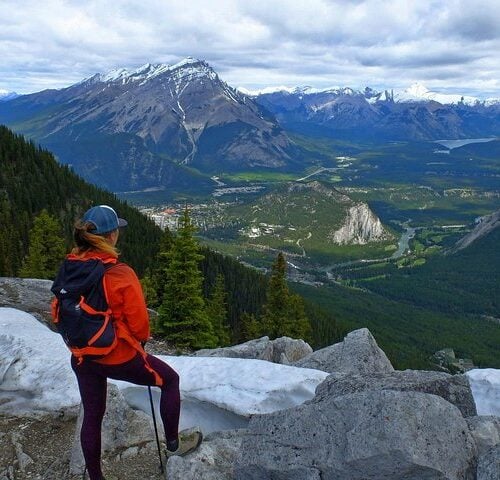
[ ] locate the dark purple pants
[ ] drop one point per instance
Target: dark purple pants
(92, 382)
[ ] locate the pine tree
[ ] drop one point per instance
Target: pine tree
(46, 248)
(217, 312)
(298, 325)
(182, 315)
(250, 327)
(284, 314)
(155, 281)
(276, 308)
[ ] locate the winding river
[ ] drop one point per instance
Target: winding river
(403, 245)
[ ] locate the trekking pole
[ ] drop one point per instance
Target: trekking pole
(154, 418)
(156, 428)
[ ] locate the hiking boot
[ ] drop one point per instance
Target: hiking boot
(189, 441)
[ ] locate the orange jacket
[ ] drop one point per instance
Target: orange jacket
(126, 300)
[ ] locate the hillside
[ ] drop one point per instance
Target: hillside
(310, 221)
(31, 180)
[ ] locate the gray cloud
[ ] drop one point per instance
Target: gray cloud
(380, 43)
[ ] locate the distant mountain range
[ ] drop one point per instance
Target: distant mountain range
(175, 125)
(413, 114)
(415, 93)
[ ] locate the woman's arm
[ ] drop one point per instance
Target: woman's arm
(126, 300)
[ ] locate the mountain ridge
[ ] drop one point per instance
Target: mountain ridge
(414, 93)
(159, 117)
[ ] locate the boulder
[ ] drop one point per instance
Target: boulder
(363, 436)
(122, 429)
(288, 350)
(214, 459)
(453, 388)
(282, 350)
(358, 353)
(485, 430)
(488, 467)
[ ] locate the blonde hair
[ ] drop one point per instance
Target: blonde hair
(86, 241)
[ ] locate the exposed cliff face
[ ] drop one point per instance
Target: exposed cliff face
(361, 226)
(484, 227)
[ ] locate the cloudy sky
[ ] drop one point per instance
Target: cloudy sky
(449, 46)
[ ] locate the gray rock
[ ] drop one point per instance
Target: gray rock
(358, 353)
(485, 430)
(29, 295)
(453, 388)
(488, 467)
(214, 459)
(283, 350)
(122, 428)
(23, 459)
(287, 350)
(363, 436)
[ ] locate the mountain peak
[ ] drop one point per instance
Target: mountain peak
(147, 71)
(417, 90)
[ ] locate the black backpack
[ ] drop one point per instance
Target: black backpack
(80, 310)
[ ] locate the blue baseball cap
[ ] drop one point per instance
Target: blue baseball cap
(104, 218)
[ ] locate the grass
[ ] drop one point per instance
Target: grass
(258, 176)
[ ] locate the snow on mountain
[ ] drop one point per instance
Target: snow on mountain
(301, 90)
(265, 91)
(35, 375)
(149, 71)
(414, 93)
(6, 95)
(418, 93)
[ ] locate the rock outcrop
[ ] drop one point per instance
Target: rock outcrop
(486, 432)
(283, 350)
(357, 354)
(455, 389)
(488, 467)
(360, 227)
(487, 224)
(366, 422)
(29, 295)
(214, 459)
(367, 435)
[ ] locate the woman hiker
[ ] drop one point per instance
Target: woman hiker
(95, 236)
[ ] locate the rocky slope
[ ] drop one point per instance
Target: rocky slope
(133, 128)
(484, 227)
(366, 421)
(360, 227)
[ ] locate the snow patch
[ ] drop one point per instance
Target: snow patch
(35, 375)
(485, 385)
